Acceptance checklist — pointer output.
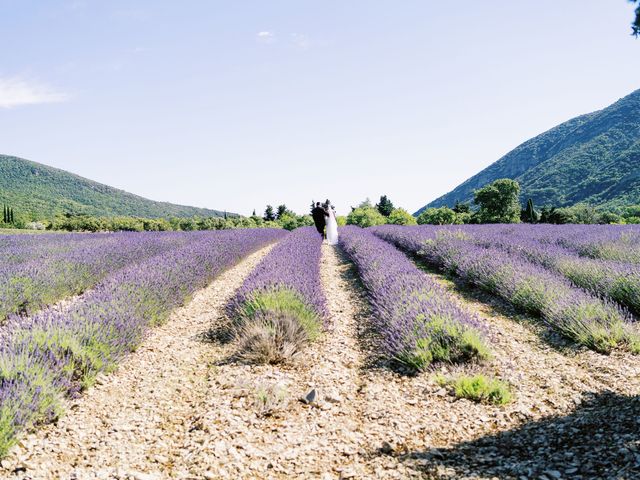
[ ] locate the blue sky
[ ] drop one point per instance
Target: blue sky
(235, 104)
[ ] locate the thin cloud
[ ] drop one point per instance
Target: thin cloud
(300, 40)
(266, 37)
(15, 92)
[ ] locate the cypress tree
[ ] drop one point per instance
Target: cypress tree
(5, 218)
(530, 214)
(385, 206)
(269, 215)
(282, 209)
(461, 207)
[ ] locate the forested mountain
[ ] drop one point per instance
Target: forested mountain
(41, 192)
(593, 158)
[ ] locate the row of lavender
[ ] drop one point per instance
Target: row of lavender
(55, 353)
(617, 280)
(281, 305)
(419, 323)
(575, 313)
(607, 242)
(39, 270)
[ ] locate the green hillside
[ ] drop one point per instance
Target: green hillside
(42, 192)
(593, 158)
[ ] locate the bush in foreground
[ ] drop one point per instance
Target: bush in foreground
(479, 388)
(272, 337)
(281, 305)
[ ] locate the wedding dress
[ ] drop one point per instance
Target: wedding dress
(332, 228)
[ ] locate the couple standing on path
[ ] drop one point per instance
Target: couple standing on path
(324, 214)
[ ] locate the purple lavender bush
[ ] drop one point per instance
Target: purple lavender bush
(39, 270)
(607, 242)
(618, 281)
(286, 282)
(56, 353)
(419, 322)
(573, 312)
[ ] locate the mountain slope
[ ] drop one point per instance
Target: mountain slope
(593, 158)
(43, 192)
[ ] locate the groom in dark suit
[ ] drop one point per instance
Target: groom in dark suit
(319, 215)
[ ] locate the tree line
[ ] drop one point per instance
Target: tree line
(499, 202)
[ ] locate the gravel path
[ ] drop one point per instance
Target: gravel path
(183, 408)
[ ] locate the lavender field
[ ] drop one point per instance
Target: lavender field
(392, 343)
(137, 280)
(547, 271)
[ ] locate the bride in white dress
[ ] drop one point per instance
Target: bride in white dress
(332, 225)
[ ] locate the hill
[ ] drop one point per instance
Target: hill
(43, 191)
(592, 158)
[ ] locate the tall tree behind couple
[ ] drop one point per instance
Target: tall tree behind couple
(324, 216)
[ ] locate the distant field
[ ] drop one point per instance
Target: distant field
(17, 231)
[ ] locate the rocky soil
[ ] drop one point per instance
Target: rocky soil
(181, 407)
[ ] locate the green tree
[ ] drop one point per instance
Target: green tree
(438, 216)
(585, 214)
(607, 218)
(384, 206)
(399, 216)
(366, 217)
(283, 210)
(461, 207)
(288, 221)
(635, 25)
(560, 216)
(529, 214)
(269, 216)
(498, 201)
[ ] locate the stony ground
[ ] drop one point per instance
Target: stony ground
(181, 407)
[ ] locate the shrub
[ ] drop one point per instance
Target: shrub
(272, 337)
(288, 221)
(438, 216)
(480, 388)
(276, 303)
(34, 226)
(400, 216)
(366, 217)
(268, 398)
